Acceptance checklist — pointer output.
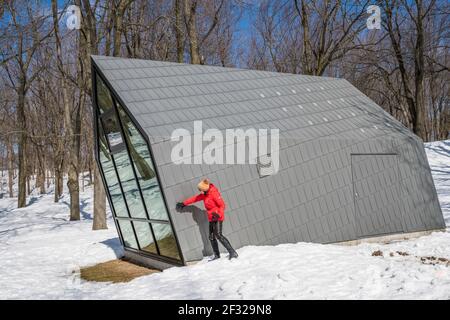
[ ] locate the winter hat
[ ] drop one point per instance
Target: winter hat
(203, 185)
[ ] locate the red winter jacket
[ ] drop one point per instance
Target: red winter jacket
(212, 200)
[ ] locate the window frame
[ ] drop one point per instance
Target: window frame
(96, 72)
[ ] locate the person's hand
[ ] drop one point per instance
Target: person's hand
(180, 205)
(215, 216)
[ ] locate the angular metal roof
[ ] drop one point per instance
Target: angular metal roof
(163, 96)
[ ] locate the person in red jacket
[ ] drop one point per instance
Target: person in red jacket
(215, 208)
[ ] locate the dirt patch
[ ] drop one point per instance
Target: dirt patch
(425, 260)
(377, 253)
(435, 260)
(115, 271)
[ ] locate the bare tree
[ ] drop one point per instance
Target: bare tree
(195, 39)
(70, 137)
(179, 31)
(7, 132)
(25, 26)
(329, 31)
(88, 45)
(118, 12)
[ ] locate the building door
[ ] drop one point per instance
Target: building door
(377, 194)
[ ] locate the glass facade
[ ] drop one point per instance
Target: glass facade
(131, 181)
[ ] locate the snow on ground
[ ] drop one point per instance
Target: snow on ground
(439, 159)
(41, 251)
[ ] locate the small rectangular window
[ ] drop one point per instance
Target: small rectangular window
(265, 166)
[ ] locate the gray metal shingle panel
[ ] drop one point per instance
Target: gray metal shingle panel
(312, 195)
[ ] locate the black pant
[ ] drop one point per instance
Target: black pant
(215, 233)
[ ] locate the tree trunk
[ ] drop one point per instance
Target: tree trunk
(3, 174)
(90, 170)
(419, 118)
(99, 202)
(58, 169)
(42, 180)
(190, 12)
(109, 24)
(87, 47)
(22, 146)
(73, 175)
(71, 139)
(118, 14)
(58, 183)
(74, 191)
(48, 178)
(10, 160)
(307, 49)
(179, 31)
(28, 184)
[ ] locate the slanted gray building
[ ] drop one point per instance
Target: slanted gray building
(347, 169)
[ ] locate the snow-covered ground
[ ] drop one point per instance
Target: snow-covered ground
(40, 252)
